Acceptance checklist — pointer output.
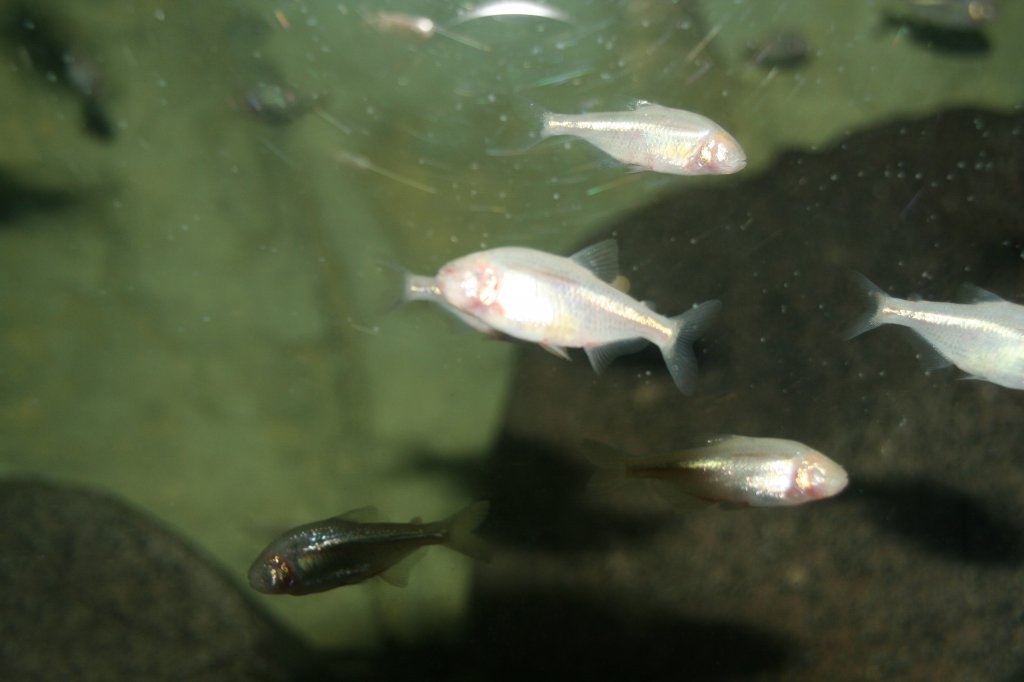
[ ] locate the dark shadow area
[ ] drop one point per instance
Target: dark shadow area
(551, 510)
(941, 519)
(19, 199)
(554, 635)
(963, 42)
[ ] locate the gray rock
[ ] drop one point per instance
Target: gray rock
(914, 572)
(95, 590)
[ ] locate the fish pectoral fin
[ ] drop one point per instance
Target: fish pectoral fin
(367, 514)
(970, 293)
(470, 321)
(601, 258)
(602, 356)
(557, 350)
(398, 575)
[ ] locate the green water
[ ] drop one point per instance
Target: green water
(207, 331)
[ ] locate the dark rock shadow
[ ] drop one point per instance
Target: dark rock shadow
(550, 635)
(539, 498)
(19, 199)
(941, 519)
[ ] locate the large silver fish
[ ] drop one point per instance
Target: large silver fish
(984, 337)
(562, 303)
(349, 549)
(655, 138)
(733, 470)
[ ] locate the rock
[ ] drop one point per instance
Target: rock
(914, 571)
(96, 590)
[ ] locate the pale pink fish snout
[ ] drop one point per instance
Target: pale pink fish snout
(818, 477)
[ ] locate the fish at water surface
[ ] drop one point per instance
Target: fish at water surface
(655, 138)
(732, 470)
(561, 303)
(984, 337)
(348, 549)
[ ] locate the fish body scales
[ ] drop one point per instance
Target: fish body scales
(986, 340)
(549, 299)
(655, 138)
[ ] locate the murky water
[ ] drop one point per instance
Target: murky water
(204, 211)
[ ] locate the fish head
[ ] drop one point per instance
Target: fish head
(719, 154)
(271, 574)
(817, 477)
(470, 283)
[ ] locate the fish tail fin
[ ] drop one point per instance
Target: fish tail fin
(678, 352)
(462, 535)
(414, 287)
(609, 466)
(871, 318)
(519, 131)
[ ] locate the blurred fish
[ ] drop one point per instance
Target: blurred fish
(562, 303)
(983, 336)
(277, 104)
(348, 549)
(654, 138)
(785, 49)
(43, 46)
(419, 26)
(734, 470)
(954, 15)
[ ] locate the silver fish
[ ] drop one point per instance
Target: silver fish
(733, 470)
(984, 337)
(956, 15)
(562, 303)
(655, 138)
(349, 549)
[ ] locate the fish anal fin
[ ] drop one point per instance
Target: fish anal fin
(602, 356)
(398, 575)
(601, 258)
(930, 358)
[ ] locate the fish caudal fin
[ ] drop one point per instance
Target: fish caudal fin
(871, 318)
(609, 466)
(678, 352)
(519, 129)
(461, 531)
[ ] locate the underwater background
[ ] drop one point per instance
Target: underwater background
(205, 208)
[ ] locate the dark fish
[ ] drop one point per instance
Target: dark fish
(46, 48)
(786, 49)
(348, 549)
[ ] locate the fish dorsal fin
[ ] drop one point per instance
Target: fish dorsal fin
(601, 258)
(970, 293)
(398, 575)
(361, 515)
